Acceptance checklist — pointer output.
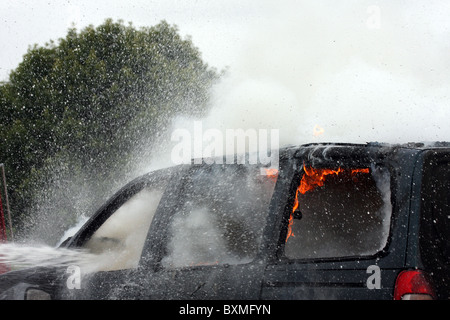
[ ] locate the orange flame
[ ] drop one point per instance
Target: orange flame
(318, 130)
(311, 179)
(271, 173)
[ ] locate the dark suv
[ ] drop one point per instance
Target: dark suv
(333, 221)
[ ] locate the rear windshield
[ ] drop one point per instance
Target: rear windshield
(339, 213)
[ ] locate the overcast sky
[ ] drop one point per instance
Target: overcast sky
(217, 27)
(297, 60)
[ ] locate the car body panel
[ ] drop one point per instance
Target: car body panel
(270, 275)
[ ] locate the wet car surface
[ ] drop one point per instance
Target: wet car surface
(333, 221)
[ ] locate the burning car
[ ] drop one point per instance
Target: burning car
(334, 221)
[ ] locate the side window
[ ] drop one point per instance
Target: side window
(339, 213)
(435, 226)
(221, 216)
(120, 239)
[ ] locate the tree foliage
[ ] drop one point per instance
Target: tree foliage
(93, 96)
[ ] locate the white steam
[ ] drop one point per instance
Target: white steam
(185, 246)
(347, 71)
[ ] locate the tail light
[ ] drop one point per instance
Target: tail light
(413, 285)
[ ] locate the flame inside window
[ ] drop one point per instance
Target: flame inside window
(339, 212)
(315, 178)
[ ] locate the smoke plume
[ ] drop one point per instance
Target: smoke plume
(348, 71)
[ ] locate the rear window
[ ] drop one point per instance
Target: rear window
(339, 213)
(436, 210)
(221, 216)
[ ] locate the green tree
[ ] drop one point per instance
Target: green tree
(88, 100)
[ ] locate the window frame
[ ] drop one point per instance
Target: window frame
(294, 183)
(160, 245)
(117, 200)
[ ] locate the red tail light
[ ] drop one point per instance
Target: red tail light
(413, 285)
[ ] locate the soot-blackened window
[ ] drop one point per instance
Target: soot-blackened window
(339, 213)
(222, 216)
(435, 227)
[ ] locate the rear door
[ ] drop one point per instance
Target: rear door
(209, 243)
(333, 242)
